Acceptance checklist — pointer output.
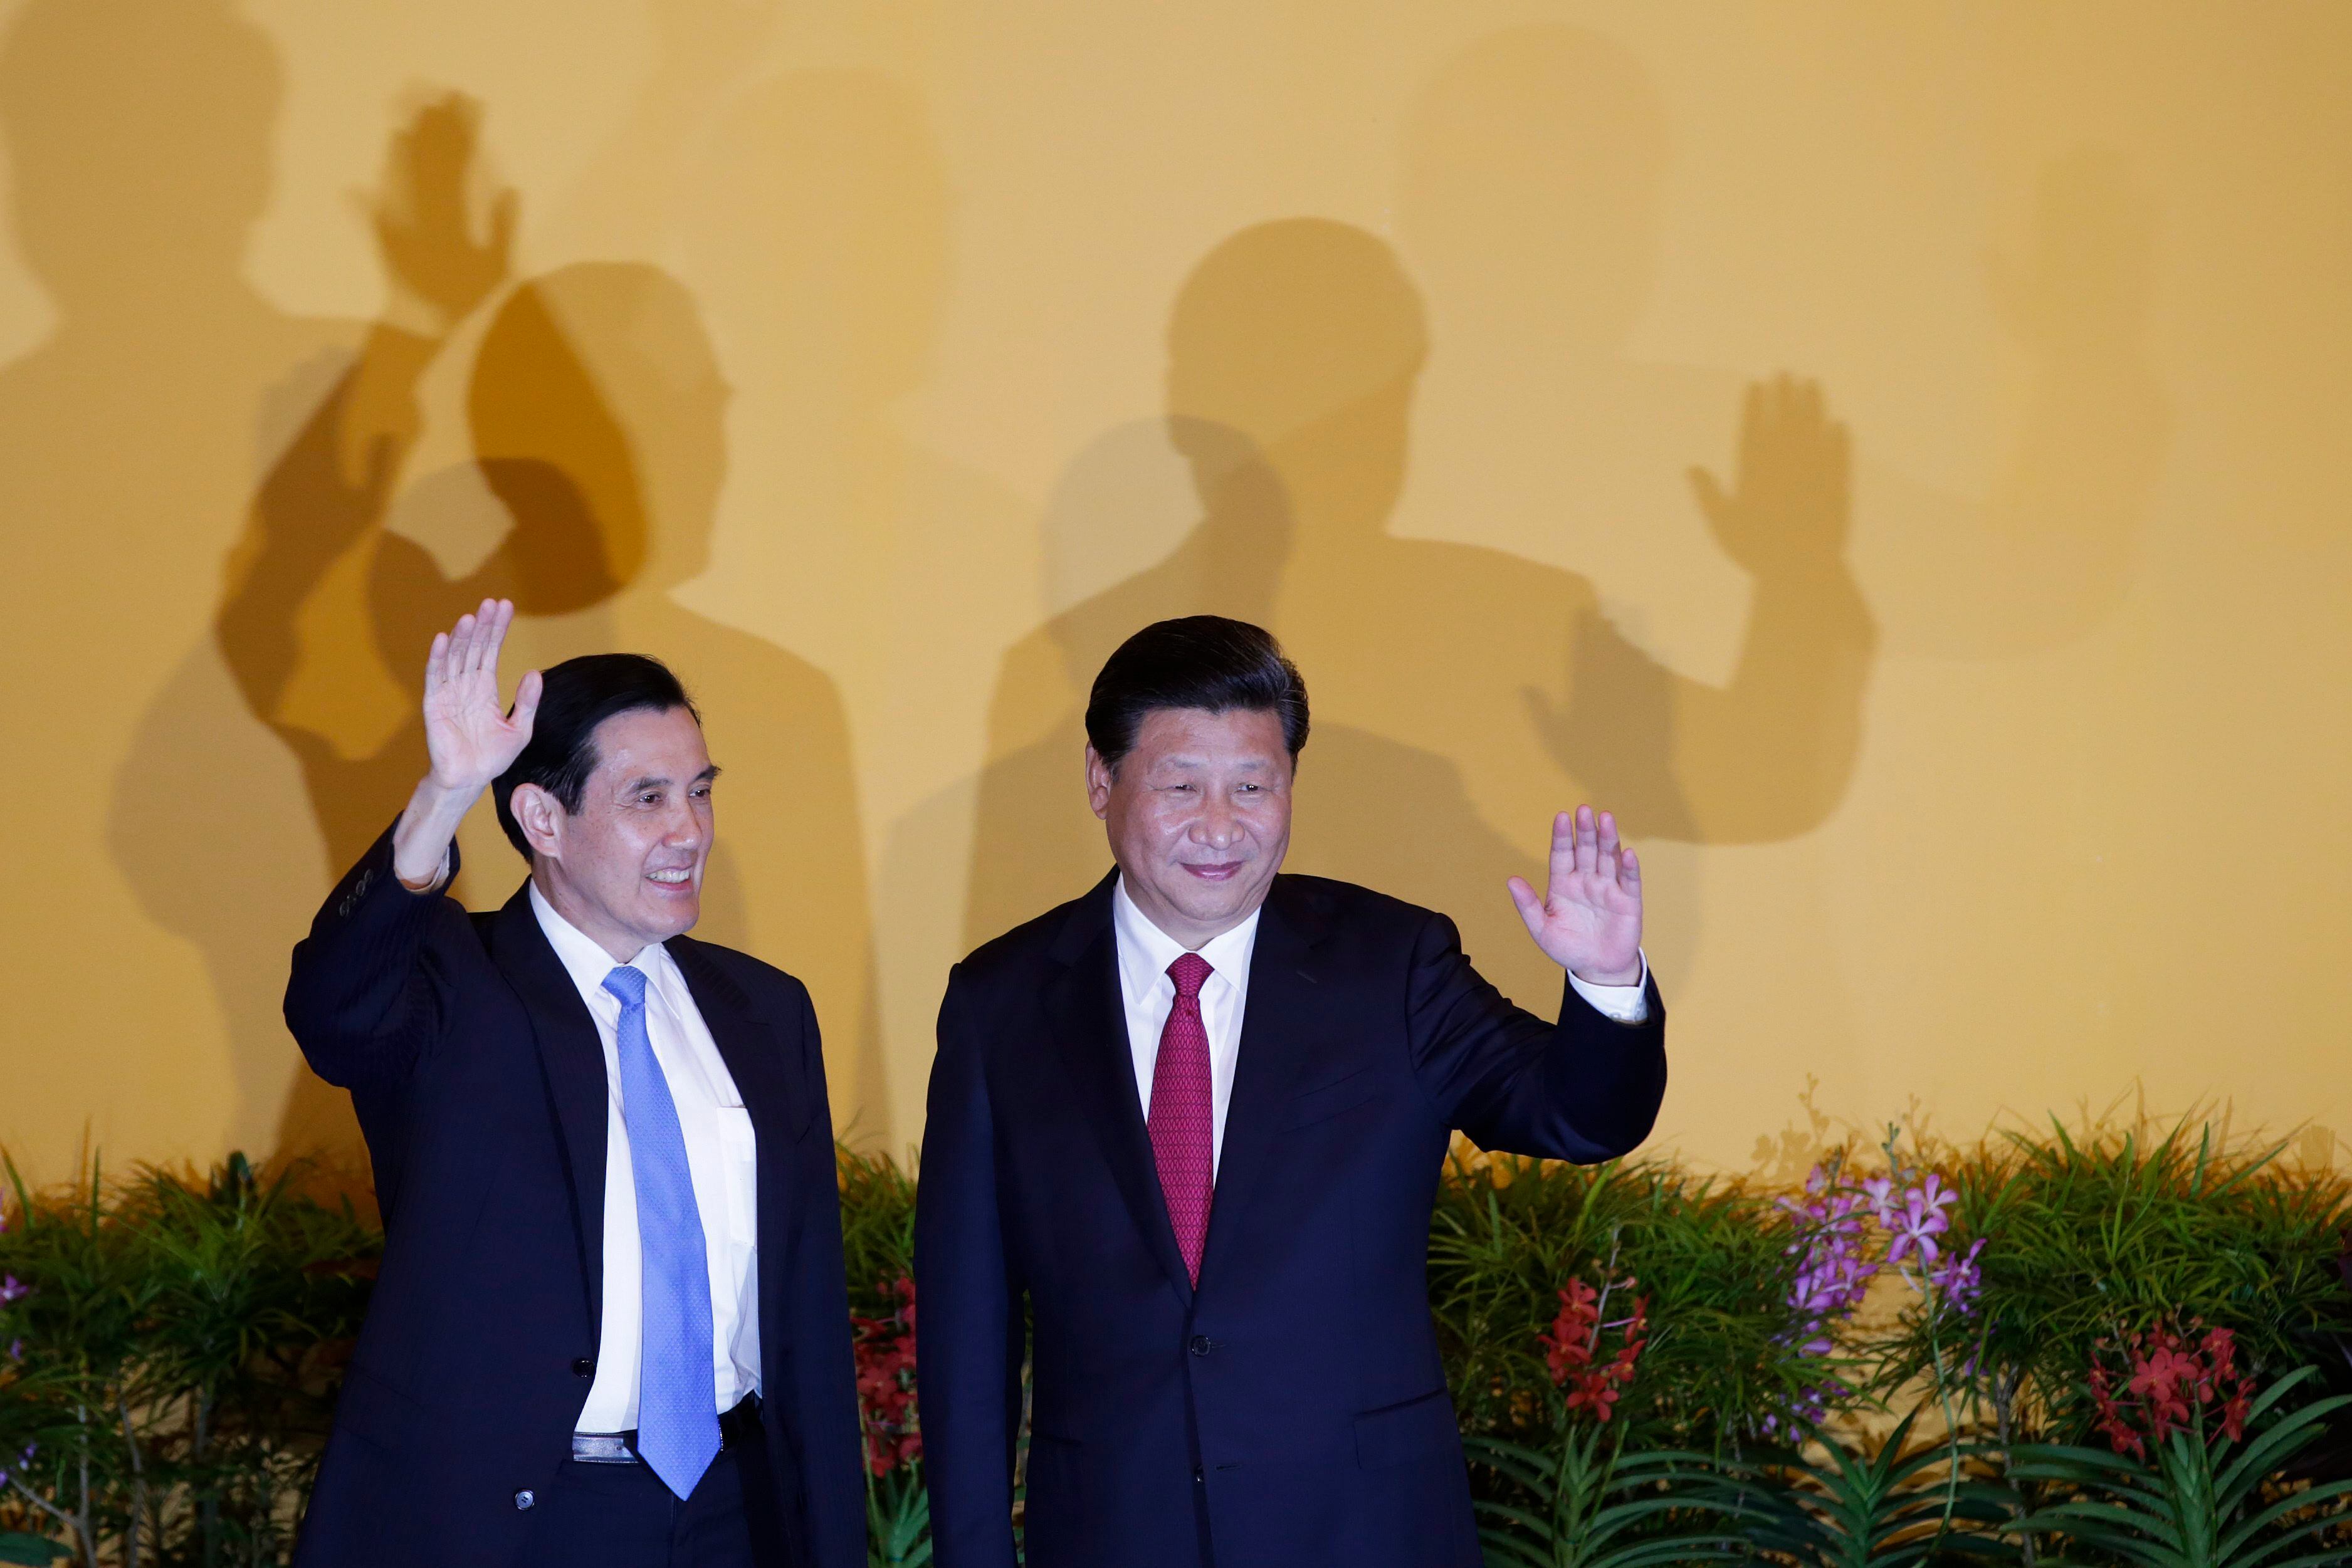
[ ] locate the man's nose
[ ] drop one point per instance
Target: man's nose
(1218, 825)
(684, 829)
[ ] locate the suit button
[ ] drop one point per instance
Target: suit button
(1202, 1344)
(1200, 1475)
(583, 1368)
(524, 1499)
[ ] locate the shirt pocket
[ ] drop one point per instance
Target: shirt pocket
(739, 1147)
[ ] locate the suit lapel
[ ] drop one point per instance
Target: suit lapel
(1089, 1019)
(1278, 1035)
(572, 1056)
(746, 1043)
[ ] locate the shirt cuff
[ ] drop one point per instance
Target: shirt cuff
(441, 880)
(1626, 1003)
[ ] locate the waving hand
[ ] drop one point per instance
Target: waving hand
(1589, 920)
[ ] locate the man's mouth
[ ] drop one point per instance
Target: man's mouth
(674, 877)
(1219, 871)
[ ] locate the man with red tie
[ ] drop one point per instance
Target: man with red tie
(1184, 1136)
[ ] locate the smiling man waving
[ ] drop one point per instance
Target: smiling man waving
(610, 1326)
(1191, 1126)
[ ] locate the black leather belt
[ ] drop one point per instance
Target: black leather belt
(735, 1427)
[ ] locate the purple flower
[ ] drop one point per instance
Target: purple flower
(13, 1289)
(1922, 1220)
(1959, 1278)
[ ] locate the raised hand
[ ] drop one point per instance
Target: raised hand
(422, 225)
(469, 733)
(1789, 507)
(1589, 920)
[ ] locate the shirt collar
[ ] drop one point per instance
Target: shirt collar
(1144, 951)
(582, 959)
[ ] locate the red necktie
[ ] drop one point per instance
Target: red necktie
(1183, 1122)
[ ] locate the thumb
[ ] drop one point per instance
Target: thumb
(526, 702)
(1531, 908)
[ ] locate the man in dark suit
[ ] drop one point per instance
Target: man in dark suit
(1194, 1123)
(611, 1325)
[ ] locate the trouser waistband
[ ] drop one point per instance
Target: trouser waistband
(620, 1447)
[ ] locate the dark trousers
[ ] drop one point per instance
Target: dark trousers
(622, 1516)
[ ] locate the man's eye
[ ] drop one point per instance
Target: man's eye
(1249, 788)
(651, 797)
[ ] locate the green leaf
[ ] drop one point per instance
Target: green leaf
(38, 1550)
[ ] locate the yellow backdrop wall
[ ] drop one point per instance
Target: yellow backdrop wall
(1897, 456)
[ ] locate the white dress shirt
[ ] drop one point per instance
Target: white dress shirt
(1145, 952)
(722, 1159)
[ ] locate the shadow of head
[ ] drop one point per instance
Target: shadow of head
(1531, 176)
(138, 137)
(819, 232)
(1300, 340)
(598, 418)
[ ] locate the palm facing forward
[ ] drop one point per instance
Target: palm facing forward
(1589, 920)
(470, 736)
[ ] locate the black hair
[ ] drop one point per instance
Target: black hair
(580, 694)
(1205, 662)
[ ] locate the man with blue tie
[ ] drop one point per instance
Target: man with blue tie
(611, 1325)
(1190, 1127)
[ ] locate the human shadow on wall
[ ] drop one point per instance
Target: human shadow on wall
(140, 136)
(595, 411)
(1461, 694)
(1530, 198)
(787, 875)
(818, 232)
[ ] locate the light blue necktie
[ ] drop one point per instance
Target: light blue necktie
(677, 1419)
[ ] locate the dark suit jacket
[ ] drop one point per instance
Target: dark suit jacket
(1292, 1410)
(480, 1081)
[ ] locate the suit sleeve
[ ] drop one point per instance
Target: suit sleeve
(824, 1378)
(1585, 1088)
(969, 1330)
(363, 1001)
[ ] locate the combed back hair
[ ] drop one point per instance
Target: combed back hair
(1204, 661)
(580, 694)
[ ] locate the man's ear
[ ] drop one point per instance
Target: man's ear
(1098, 782)
(541, 815)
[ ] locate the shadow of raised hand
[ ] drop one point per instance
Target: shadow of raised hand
(423, 223)
(1788, 507)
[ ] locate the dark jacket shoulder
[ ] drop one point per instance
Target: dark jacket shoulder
(766, 991)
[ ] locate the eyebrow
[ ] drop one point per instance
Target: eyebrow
(1199, 762)
(650, 781)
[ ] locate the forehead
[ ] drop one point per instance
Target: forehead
(665, 742)
(1236, 737)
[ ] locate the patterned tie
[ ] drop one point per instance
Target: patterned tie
(678, 1419)
(1182, 1124)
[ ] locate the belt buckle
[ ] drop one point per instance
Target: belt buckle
(602, 1449)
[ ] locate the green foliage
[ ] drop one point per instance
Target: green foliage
(1711, 1258)
(1855, 1507)
(179, 1350)
(2192, 1504)
(877, 1228)
(1589, 1503)
(897, 1519)
(2092, 1239)
(167, 1373)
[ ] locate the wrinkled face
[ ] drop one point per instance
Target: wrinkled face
(626, 868)
(1198, 813)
